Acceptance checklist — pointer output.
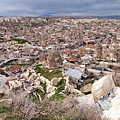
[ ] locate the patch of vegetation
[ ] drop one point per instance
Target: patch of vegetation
(21, 64)
(2, 39)
(10, 61)
(5, 109)
(44, 86)
(109, 61)
(6, 112)
(57, 95)
(20, 41)
(11, 118)
(99, 60)
(92, 81)
(41, 93)
(45, 72)
(31, 61)
(93, 62)
(38, 65)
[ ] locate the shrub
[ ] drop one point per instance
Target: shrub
(20, 41)
(24, 108)
(49, 75)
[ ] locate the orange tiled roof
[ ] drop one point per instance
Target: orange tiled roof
(90, 46)
(83, 50)
(72, 59)
(67, 50)
(14, 67)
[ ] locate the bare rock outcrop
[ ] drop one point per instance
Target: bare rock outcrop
(50, 89)
(86, 88)
(102, 87)
(98, 51)
(54, 59)
(43, 57)
(55, 81)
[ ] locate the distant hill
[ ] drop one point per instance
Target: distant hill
(108, 17)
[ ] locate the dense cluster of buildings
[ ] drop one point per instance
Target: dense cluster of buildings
(55, 41)
(76, 53)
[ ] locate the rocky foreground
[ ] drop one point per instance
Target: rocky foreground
(36, 90)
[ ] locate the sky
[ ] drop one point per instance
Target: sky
(59, 7)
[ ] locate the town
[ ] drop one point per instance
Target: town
(54, 57)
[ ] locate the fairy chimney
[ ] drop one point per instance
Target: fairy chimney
(42, 57)
(54, 59)
(98, 51)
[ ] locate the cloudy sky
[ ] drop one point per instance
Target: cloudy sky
(59, 7)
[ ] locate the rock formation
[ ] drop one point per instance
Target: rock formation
(54, 59)
(86, 88)
(55, 81)
(42, 57)
(114, 39)
(113, 52)
(108, 51)
(98, 51)
(102, 87)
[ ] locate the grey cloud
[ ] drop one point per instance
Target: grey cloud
(59, 7)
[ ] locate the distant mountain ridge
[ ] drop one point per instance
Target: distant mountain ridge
(49, 15)
(104, 17)
(108, 17)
